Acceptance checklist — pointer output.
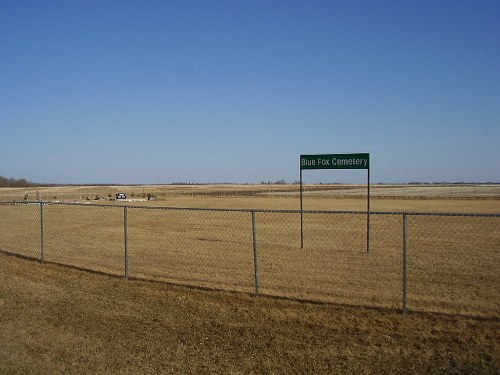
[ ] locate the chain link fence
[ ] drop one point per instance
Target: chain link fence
(415, 261)
(205, 248)
(20, 229)
(454, 263)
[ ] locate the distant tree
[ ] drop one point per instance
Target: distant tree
(12, 182)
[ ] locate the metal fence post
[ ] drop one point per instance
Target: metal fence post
(125, 238)
(405, 263)
(255, 255)
(42, 245)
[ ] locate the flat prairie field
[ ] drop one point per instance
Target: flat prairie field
(58, 320)
(452, 261)
(328, 197)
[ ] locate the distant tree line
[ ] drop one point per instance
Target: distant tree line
(12, 182)
(279, 182)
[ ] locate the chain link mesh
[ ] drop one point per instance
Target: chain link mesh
(204, 248)
(85, 236)
(454, 264)
(335, 264)
(452, 267)
(20, 229)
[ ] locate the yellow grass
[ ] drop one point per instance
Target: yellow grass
(453, 261)
(55, 320)
(58, 320)
(475, 198)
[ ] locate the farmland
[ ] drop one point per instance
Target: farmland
(453, 282)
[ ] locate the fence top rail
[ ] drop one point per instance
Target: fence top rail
(330, 212)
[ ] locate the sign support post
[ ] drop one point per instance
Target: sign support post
(301, 214)
(368, 213)
(336, 161)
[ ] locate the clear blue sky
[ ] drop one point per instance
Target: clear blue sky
(234, 91)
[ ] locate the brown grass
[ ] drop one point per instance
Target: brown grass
(453, 261)
(59, 320)
(56, 320)
(166, 193)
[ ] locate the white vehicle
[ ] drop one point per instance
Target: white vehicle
(121, 196)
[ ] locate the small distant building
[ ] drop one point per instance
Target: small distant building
(121, 196)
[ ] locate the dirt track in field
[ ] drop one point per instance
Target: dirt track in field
(55, 320)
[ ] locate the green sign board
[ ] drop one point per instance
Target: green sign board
(335, 161)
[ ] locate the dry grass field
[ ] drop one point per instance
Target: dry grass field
(168, 194)
(453, 261)
(453, 270)
(55, 320)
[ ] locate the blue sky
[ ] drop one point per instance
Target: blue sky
(234, 91)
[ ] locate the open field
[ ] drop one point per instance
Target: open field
(427, 198)
(60, 320)
(55, 320)
(452, 261)
(431, 198)
(166, 193)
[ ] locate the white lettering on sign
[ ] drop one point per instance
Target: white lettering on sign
(349, 162)
(324, 162)
(335, 161)
(308, 163)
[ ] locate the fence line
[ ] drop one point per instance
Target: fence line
(405, 263)
(444, 262)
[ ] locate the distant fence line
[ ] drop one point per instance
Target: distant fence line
(436, 262)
